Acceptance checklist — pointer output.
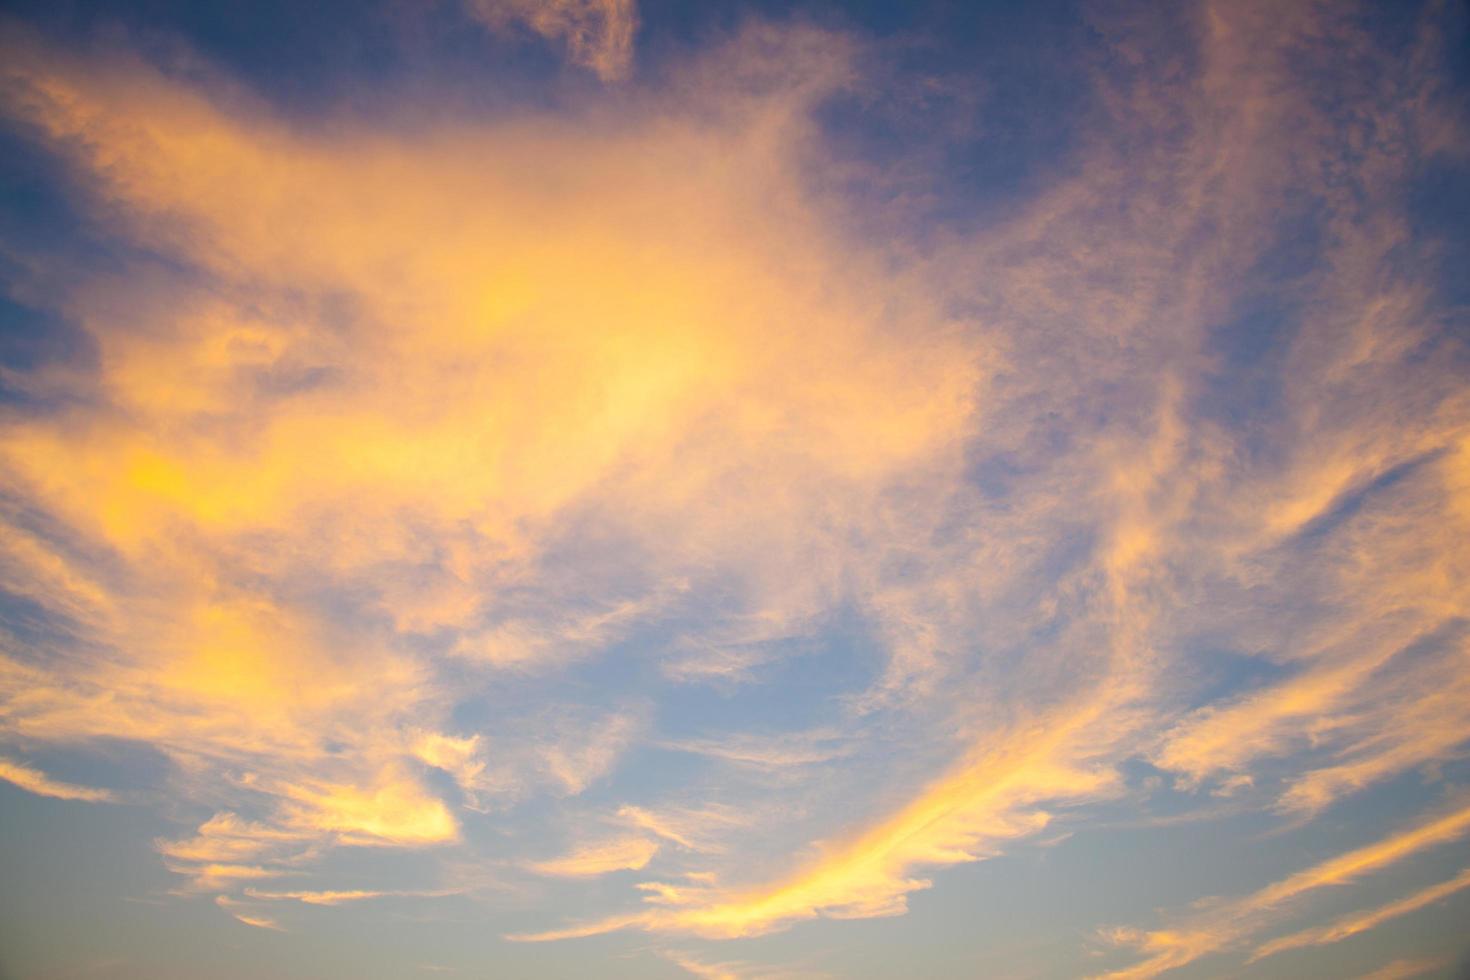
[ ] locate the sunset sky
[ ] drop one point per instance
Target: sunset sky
(734, 490)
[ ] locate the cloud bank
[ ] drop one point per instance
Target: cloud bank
(392, 433)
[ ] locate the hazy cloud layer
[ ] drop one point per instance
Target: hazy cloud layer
(642, 509)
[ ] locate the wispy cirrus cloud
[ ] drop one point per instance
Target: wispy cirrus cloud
(1401, 969)
(36, 781)
(991, 799)
(336, 897)
(245, 912)
(1352, 925)
(436, 466)
(599, 858)
(1220, 927)
(598, 34)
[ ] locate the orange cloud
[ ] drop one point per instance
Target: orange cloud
(35, 781)
(324, 476)
(992, 798)
(221, 877)
(1403, 969)
(395, 810)
(605, 857)
(1227, 924)
(1352, 925)
(617, 334)
(224, 837)
(240, 911)
(334, 897)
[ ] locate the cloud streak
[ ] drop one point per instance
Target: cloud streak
(1352, 925)
(1232, 922)
(35, 781)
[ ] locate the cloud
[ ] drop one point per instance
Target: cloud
(1352, 925)
(217, 854)
(460, 757)
(35, 781)
(697, 968)
(769, 752)
(1402, 969)
(603, 857)
(394, 811)
(1227, 924)
(317, 898)
(598, 33)
(290, 500)
(731, 969)
(337, 897)
(693, 829)
(241, 912)
(397, 425)
(219, 878)
(575, 761)
(990, 799)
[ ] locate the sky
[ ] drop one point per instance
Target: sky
(735, 490)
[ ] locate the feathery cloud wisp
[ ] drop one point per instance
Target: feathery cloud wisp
(41, 784)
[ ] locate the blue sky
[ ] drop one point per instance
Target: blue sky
(559, 488)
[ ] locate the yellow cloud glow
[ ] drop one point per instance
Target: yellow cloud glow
(617, 333)
(989, 799)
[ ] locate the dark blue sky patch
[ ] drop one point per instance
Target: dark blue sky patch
(1439, 214)
(963, 120)
(31, 340)
(1354, 500)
